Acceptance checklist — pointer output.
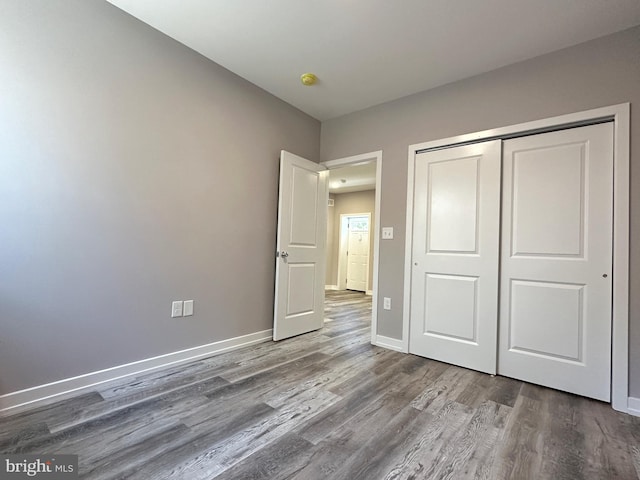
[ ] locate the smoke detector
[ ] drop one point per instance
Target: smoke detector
(308, 79)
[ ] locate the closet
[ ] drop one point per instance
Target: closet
(512, 258)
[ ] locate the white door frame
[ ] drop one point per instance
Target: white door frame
(342, 254)
(375, 234)
(620, 115)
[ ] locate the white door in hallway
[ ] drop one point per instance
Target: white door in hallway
(300, 245)
(454, 283)
(556, 260)
(358, 254)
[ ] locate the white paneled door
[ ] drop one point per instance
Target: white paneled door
(300, 256)
(454, 285)
(556, 260)
(358, 254)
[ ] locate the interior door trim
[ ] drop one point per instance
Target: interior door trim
(620, 115)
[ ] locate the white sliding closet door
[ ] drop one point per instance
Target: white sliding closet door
(556, 260)
(454, 286)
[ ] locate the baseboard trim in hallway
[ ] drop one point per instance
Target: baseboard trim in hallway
(42, 394)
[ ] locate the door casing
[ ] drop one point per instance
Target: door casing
(620, 115)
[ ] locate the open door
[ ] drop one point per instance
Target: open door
(300, 256)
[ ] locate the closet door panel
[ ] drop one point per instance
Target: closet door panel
(555, 299)
(454, 291)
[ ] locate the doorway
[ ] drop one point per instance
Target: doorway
(354, 192)
(354, 252)
(301, 241)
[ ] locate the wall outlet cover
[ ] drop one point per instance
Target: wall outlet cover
(176, 309)
(188, 308)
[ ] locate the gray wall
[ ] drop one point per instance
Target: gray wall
(133, 172)
(602, 72)
(354, 202)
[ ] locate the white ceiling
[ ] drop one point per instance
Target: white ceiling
(353, 178)
(367, 52)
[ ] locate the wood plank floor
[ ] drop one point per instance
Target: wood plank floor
(328, 405)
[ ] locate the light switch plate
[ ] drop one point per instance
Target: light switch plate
(176, 309)
(386, 304)
(188, 308)
(387, 233)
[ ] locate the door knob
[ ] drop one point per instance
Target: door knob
(284, 254)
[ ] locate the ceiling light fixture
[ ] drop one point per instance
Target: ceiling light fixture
(308, 79)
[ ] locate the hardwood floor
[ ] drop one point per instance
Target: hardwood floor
(328, 405)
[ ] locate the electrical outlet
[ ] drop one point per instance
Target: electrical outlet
(176, 309)
(187, 311)
(386, 303)
(387, 233)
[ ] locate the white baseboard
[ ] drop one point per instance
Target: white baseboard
(369, 292)
(633, 406)
(390, 343)
(32, 397)
(331, 287)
